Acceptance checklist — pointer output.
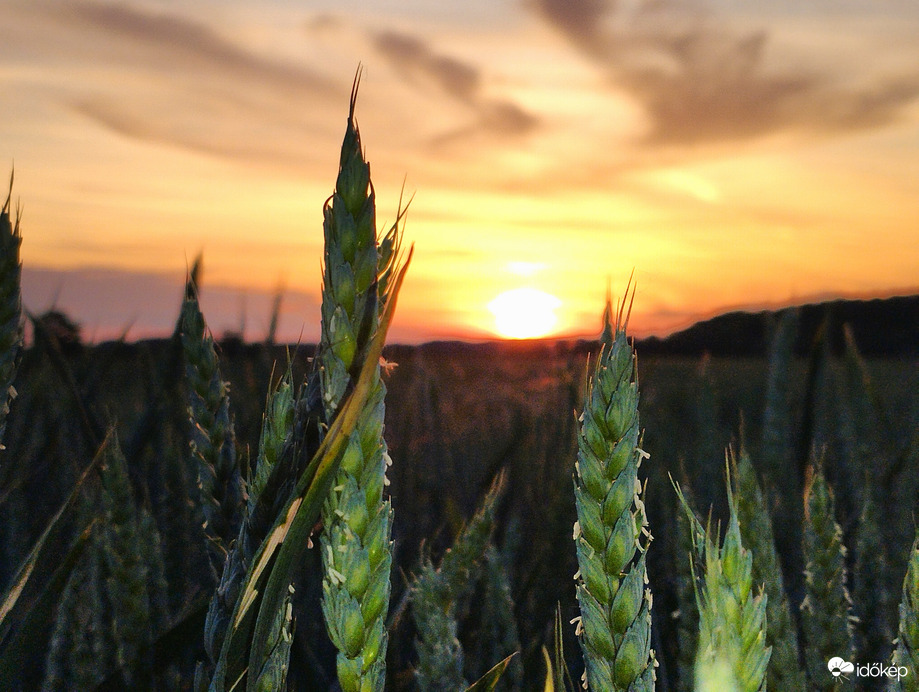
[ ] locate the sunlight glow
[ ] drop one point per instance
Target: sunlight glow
(524, 268)
(524, 313)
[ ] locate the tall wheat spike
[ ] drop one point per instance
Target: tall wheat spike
(784, 672)
(10, 307)
(436, 593)
(732, 652)
(688, 565)
(72, 661)
(126, 566)
(499, 634)
(611, 533)
(213, 442)
(777, 451)
(269, 488)
(355, 542)
(907, 644)
(826, 610)
(873, 600)
(114, 601)
(864, 464)
(270, 466)
(273, 673)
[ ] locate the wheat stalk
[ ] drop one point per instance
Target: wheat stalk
(907, 643)
(826, 617)
(286, 420)
(273, 673)
(687, 616)
(355, 543)
(863, 471)
(777, 449)
(126, 565)
(212, 443)
(436, 593)
(269, 487)
(10, 307)
(499, 633)
(756, 532)
(873, 600)
(73, 660)
(611, 535)
(732, 650)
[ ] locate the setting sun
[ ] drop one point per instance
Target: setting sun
(524, 313)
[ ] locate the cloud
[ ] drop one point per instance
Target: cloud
(210, 125)
(180, 42)
(415, 59)
(701, 79)
(418, 63)
(164, 77)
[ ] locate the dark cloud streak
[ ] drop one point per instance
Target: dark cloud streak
(180, 83)
(184, 43)
(416, 59)
(701, 80)
(418, 63)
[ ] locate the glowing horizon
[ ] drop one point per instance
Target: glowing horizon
(553, 146)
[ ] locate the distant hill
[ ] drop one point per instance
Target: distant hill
(887, 327)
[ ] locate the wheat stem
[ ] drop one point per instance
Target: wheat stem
(435, 595)
(784, 671)
(687, 616)
(212, 439)
(826, 617)
(126, 565)
(10, 307)
(355, 544)
(611, 531)
(732, 616)
(907, 651)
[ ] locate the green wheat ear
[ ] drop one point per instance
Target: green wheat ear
(126, 566)
(611, 534)
(687, 567)
(436, 593)
(78, 635)
(10, 307)
(212, 440)
(907, 651)
(732, 653)
(268, 489)
(784, 672)
(355, 543)
(826, 609)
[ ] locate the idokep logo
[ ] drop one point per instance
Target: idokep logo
(840, 667)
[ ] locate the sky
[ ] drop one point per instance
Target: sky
(741, 154)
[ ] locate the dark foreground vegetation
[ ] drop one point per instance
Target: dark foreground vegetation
(456, 415)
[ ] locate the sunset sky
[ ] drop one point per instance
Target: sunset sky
(734, 154)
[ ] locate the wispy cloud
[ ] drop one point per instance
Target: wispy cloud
(699, 78)
(417, 62)
(180, 42)
(165, 77)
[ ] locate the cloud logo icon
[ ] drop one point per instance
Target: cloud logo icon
(839, 666)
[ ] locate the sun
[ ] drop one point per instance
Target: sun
(524, 313)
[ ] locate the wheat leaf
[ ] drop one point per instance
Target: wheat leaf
(489, 681)
(266, 584)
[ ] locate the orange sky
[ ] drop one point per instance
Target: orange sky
(732, 154)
